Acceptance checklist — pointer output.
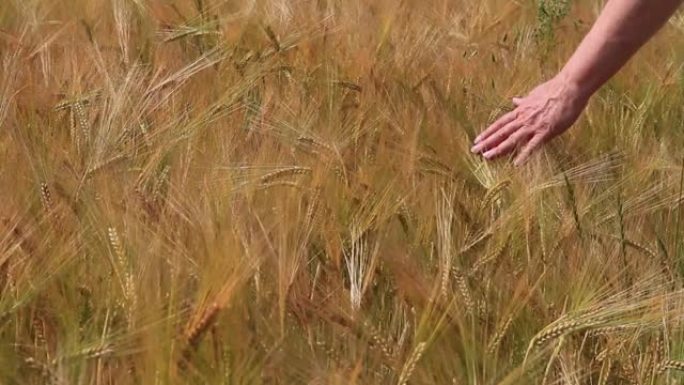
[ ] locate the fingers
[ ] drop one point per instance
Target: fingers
(508, 145)
(530, 147)
(496, 138)
(501, 122)
(517, 101)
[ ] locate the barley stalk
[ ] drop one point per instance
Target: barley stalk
(444, 218)
(267, 186)
(101, 164)
(462, 285)
(126, 274)
(195, 332)
(562, 328)
(162, 178)
(609, 330)
(81, 119)
(573, 203)
(672, 365)
(377, 339)
(290, 171)
(605, 372)
(493, 193)
(490, 257)
(410, 364)
(39, 330)
(498, 335)
(46, 197)
(115, 243)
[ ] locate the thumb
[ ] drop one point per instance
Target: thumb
(517, 101)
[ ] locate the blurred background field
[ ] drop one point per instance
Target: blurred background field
(282, 192)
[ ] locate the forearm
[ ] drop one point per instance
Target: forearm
(621, 29)
(552, 107)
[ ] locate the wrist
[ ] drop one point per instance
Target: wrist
(574, 88)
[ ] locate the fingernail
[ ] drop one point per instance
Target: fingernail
(488, 154)
(475, 149)
(477, 139)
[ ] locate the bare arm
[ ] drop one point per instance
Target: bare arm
(551, 108)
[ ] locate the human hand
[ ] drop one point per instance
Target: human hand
(546, 112)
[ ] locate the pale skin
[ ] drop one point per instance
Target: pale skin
(552, 107)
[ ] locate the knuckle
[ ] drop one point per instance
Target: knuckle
(520, 133)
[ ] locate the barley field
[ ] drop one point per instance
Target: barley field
(282, 192)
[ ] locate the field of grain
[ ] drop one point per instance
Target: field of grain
(282, 192)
